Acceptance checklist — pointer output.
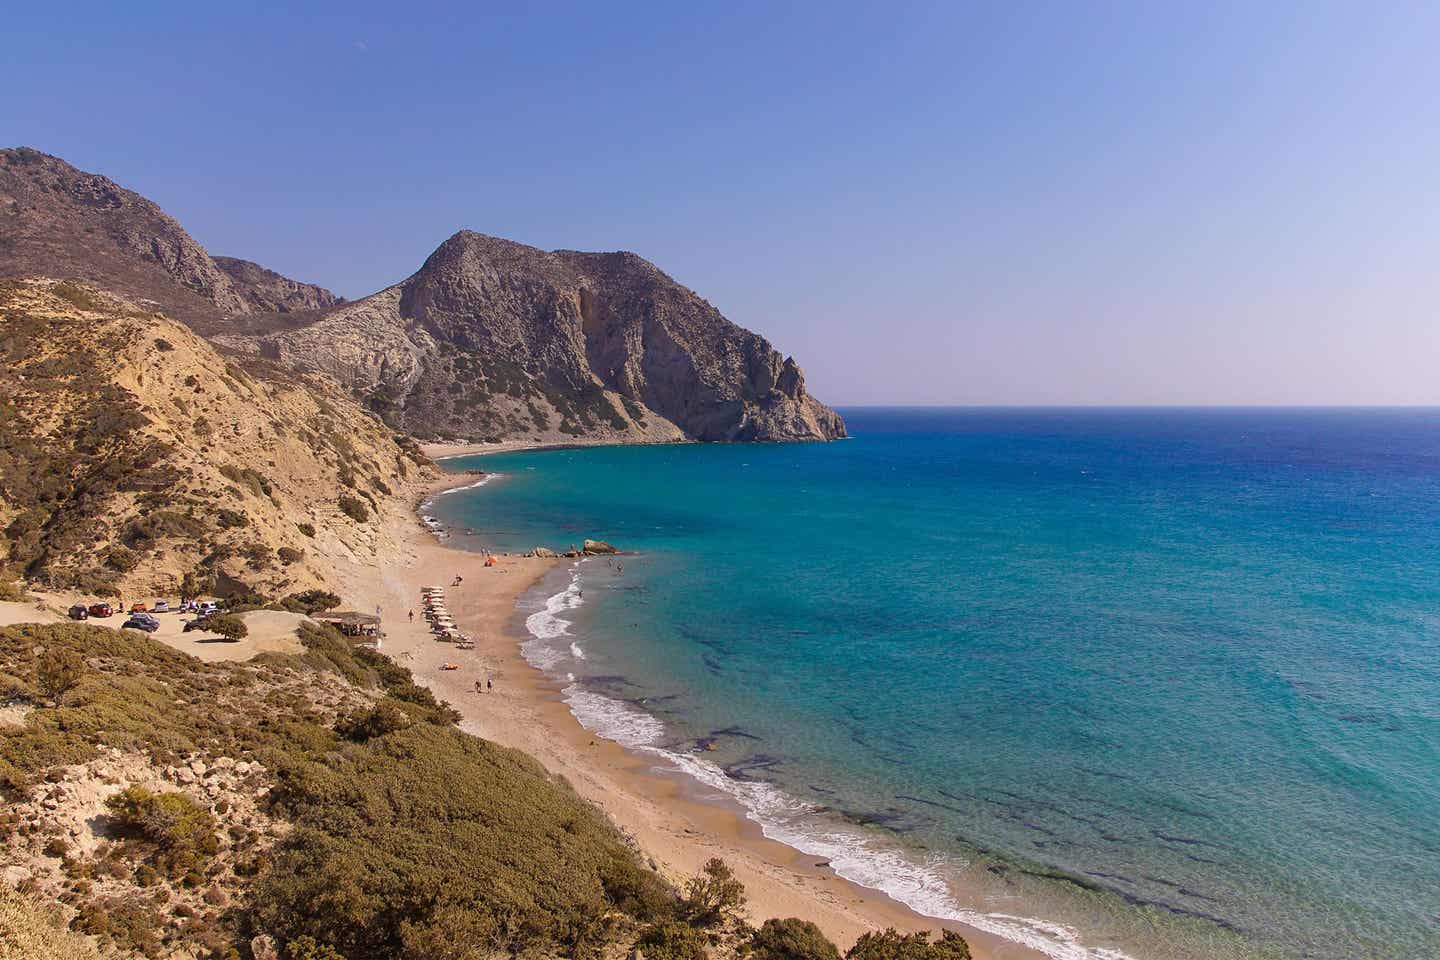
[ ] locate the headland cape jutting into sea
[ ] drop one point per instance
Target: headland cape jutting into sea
(1157, 683)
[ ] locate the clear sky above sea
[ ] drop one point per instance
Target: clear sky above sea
(1007, 202)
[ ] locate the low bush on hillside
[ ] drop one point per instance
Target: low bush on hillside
(354, 508)
(379, 720)
(714, 896)
(59, 672)
(790, 939)
(672, 940)
(229, 519)
(182, 832)
(891, 945)
(306, 528)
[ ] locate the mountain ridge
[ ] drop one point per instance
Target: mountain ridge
(488, 339)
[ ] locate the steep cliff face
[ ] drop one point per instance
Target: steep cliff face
(492, 338)
(58, 221)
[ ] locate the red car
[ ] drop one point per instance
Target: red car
(139, 608)
(101, 610)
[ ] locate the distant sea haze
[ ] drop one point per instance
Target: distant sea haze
(1112, 682)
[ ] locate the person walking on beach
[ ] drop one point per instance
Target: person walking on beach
(412, 616)
(477, 687)
(489, 687)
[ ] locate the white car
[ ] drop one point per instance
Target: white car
(208, 607)
(160, 606)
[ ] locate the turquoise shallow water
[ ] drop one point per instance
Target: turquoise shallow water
(1152, 683)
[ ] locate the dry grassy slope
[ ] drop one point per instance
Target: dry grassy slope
(28, 932)
(132, 453)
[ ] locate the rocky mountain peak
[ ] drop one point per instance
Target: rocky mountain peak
(56, 220)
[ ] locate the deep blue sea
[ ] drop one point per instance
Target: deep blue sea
(1151, 683)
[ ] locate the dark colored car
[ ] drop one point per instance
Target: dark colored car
(148, 624)
(101, 610)
(197, 624)
(78, 612)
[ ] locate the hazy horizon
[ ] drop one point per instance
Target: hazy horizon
(940, 204)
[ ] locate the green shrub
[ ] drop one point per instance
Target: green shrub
(426, 837)
(306, 528)
(310, 601)
(640, 893)
(12, 592)
(713, 896)
(164, 346)
(437, 711)
(232, 518)
(59, 672)
(183, 831)
(228, 626)
(791, 939)
(891, 945)
(326, 649)
(308, 948)
(122, 559)
(354, 508)
(379, 720)
(671, 940)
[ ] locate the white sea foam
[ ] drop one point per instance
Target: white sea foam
(611, 719)
(469, 486)
(576, 651)
(856, 855)
(429, 501)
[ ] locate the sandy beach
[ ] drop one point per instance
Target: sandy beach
(675, 823)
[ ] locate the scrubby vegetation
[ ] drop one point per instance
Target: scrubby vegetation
(354, 508)
(791, 939)
(395, 836)
(181, 832)
(29, 930)
(310, 601)
(890, 945)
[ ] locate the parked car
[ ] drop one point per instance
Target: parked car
(148, 624)
(139, 608)
(101, 610)
(160, 606)
(78, 612)
(197, 624)
(207, 607)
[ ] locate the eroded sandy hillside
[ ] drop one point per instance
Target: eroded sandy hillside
(133, 455)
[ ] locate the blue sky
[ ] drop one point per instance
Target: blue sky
(930, 202)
